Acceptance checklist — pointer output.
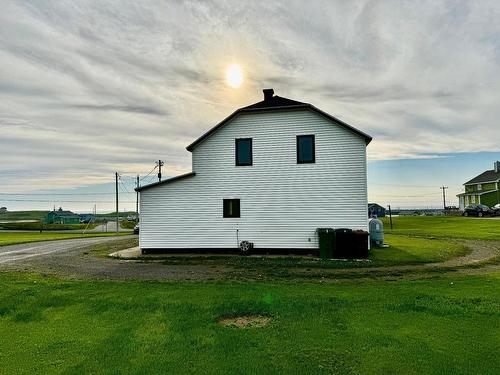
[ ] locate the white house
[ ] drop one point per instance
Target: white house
(270, 173)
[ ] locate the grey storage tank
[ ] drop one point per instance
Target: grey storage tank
(376, 232)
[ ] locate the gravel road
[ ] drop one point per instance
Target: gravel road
(22, 252)
(71, 258)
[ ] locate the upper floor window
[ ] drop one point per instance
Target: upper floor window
(244, 151)
(305, 149)
(231, 208)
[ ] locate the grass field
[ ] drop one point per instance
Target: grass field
(449, 325)
(11, 238)
(445, 227)
(36, 226)
(442, 323)
(23, 215)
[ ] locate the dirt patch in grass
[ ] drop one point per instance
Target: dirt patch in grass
(245, 321)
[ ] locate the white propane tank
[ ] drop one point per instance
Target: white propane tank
(376, 231)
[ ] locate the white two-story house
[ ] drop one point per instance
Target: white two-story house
(270, 173)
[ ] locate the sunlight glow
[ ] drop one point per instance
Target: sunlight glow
(234, 76)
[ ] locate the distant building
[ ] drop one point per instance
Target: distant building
(375, 209)
(86, 218)
(482, 189)
(62, 217)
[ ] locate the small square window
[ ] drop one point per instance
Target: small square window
(231, 208)
(243, 151)
(305, 149)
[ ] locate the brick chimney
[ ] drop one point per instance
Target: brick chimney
(268, 94)
(496, 166)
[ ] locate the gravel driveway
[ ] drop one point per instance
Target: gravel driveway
(22, 253)
(71, 258)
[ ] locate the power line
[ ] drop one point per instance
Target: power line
(151, 171)
(55, 193)
(57, 200)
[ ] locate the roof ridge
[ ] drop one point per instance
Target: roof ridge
(277, 103)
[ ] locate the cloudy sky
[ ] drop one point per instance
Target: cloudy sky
(88, 88)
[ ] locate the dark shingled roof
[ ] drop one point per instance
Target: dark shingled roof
(487, 176)
(66, 213)
(274, 103)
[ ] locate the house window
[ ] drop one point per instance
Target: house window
(479, 187)
(305, 149)
(244, 151)
(231, 208)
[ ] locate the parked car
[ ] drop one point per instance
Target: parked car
(478, 210)
(136, 229)
(496, 209)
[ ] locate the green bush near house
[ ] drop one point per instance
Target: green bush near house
(126, 224)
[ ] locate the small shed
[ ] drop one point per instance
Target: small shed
(375, 209)
(62, 217)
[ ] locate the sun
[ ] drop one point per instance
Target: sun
(234, 76)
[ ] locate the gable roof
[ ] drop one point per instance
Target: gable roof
(487, 176)
(370, 205)
(276, 103)
(65, 213)
(167, 181)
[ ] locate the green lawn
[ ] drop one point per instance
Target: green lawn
(445, 227)
(447, 325)
(443, 323)
(11, 238)
(36, 226)
(23, 215)
(408, 249)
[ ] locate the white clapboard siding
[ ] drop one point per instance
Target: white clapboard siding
(282, 202)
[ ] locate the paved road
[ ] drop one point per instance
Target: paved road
(110, 226)
(22, 252)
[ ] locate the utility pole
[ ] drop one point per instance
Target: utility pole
(159, 164)
(117, 213)
(137, 202)
(444, 195)
(390, 215)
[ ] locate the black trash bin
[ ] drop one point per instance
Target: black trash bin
(360, 244)
(326, 240)
(343, 241)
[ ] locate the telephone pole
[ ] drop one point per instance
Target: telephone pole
(159, 164)
(117, 213)
(137, 202)
(444, 195)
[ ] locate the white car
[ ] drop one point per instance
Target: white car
(496, 209)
